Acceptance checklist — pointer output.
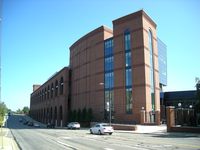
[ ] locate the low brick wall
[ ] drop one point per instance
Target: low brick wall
(127, 127)
(124, 127)
(185, 129)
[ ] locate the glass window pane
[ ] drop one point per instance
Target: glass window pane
(127, 41)
(108, 47)
(129, 100)
(151, 70)
(128, 59)
(128, 77)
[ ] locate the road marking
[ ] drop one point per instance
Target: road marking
(108, 149)
(67, 145)
(65, 137)
(167, 145)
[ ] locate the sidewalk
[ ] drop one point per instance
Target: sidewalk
(151, 129)
(147, 129)
(7, 141)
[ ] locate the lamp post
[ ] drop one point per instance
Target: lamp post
(108, 105)
(180, 114)
(110, 109)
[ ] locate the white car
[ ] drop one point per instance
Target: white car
(73, 125)
(101, 128)
(36, 125)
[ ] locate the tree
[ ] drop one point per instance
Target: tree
(84, 113)
(3, 110)
(198, 95)
(90, 114)
(19, 111)
(25, 110)
(70, 116)
(79, 115)
(74, 116)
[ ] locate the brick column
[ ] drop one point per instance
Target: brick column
(170, 117)
(157, 113)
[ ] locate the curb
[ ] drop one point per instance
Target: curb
(19, 147)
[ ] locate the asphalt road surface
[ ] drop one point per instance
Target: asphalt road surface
(30, 138)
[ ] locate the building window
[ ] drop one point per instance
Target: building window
(61, 85)
(61, 113)
(109, 64)
(48, 92)
(108, 47)
(56, 88)
(42, 94)
(128, 100)
(128, 59)
(45, 92)
(108, 78)
(128, 71)
(151, 70)
(129, 77)
(127, 39)
(52, 89)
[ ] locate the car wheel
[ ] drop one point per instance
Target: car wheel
(91, 131)
(99, 132)
(110, 133)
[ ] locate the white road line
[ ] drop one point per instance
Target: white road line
(108, 149)
(67, 145)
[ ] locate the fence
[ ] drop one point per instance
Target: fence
(185, 117)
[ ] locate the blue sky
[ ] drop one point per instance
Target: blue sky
(36, 36)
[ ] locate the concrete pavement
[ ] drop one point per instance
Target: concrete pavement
(151, 129)
(7, 141)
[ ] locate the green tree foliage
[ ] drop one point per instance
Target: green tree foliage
(74, 116)
(198, 97)
(3, 111)
(84, 113)
(25, 110)
(79, 115)
(90, 114)
(19, 111)
(70, 116)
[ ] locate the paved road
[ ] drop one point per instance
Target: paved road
(30, 138)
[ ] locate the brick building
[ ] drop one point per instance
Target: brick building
(113, 72)
(49, 102)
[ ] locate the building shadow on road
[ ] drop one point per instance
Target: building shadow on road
(176, 135)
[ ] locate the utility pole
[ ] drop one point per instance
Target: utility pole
(1, 7)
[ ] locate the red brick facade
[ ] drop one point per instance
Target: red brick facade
(87, 64)
(87, 72)
(49, 102)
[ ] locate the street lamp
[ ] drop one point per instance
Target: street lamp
(108, 105)
(179, 105)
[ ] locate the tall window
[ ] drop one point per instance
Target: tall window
(151, 70)
(52, 88)
(61, 85)
(128, 78)
(129, 100)
(128, 71)
(45, 97)
(108, 77)
(42, 94)
(56, 88)
(48, 92)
